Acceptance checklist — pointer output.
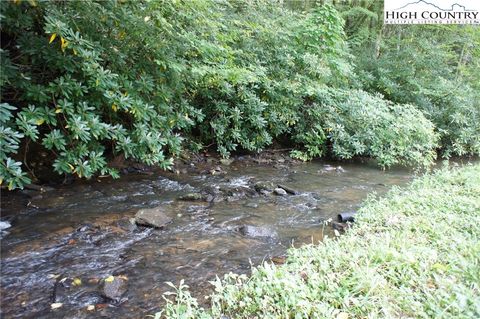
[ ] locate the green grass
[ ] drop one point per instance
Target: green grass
(414, 253)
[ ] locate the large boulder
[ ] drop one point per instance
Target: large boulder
(152, 217)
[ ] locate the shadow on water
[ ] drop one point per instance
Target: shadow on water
(84, 231)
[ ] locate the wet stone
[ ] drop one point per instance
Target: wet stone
(4, 225)
(226, 161)
(257, 231)
(279, 191)
(265, 192)
(153, 217)
(251, 205)
(192, 197)
(340, 169)
(317, 196)
(263, 186)
(289, 190)
(218, 199)
(114, 288)
(85, 227)
(330, 168)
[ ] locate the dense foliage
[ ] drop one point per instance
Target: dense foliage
(357, 123)
(87, 80)
(412, 254)
(440, 76)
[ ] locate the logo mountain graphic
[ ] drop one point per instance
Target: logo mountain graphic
(452, 8)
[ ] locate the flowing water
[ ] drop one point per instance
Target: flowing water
(84, 231)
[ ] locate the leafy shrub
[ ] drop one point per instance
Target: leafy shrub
(10, 170)
(456, 115)
(249, 81)
(437, 69)
(93, 79)
(102, 78)
(355, 123)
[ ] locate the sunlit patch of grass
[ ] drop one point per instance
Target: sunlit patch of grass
(414, 253)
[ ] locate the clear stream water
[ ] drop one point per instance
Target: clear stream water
(83, 231)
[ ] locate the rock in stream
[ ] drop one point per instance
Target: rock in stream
(289, 190)
(257, 231)
(263, 186)
(153, 217)
(114, 287)
(280, 191)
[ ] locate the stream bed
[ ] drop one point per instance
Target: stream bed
(64, 243)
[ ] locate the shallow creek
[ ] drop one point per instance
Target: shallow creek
(84, 231)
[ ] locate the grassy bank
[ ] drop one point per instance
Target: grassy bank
(414, 253)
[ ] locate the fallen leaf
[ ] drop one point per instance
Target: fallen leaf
(109, 279)
(77, 282)
(72, 242)
(91, 308)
